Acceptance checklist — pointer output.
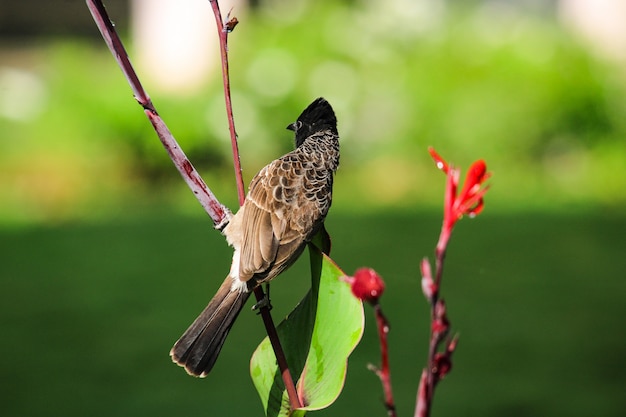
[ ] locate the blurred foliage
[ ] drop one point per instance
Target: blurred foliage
(89, 311)
(481, 82)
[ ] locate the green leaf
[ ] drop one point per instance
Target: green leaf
(317, 337)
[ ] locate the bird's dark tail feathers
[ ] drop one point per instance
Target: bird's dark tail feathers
(198, 348)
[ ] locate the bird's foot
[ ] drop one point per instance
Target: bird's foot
(263, 302)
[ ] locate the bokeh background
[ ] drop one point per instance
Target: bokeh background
(106, 257)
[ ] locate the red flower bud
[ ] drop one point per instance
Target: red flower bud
(442, 364)
(366, 285)
(440, 324)
(429, 288)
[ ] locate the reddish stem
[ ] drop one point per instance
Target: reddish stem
(440, 254)
(384, 373)
(218, 213)
(272, 334)
(429, 379)
(223, 32)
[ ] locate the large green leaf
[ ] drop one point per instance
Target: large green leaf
(317, 337)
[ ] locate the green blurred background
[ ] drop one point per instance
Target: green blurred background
(106, 257)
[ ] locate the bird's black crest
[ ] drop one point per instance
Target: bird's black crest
(318, 116)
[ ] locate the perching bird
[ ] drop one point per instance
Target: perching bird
(285, 207)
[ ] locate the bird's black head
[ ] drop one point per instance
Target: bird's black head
(319, 116)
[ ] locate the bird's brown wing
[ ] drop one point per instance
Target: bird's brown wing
(278, 219)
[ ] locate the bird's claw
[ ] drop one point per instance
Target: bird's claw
(262, 303)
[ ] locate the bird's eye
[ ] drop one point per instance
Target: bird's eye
(298, 124)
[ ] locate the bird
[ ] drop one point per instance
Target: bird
(286, 204)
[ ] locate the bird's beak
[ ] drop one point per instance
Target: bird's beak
(291, 126)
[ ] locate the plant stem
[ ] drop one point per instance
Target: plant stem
(218, 213)
(272, 334)
(384, 372)
(429, 378)
(223, 32)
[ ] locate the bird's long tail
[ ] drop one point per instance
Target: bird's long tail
(198, 348)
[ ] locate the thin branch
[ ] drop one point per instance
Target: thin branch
(440, 254)
(384, 373)
(439, 327)
(218, 213)
(272, 334)
(223, 31)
